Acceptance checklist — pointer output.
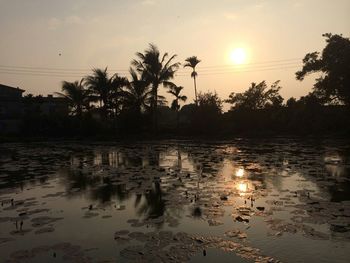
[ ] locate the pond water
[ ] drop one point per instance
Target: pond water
(245, 200)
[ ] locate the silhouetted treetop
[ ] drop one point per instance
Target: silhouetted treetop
(258, 96)
(334, 64)
(192, 62)
(175, 91)
(77, 96)
(137, 94)
(210, 101)
(155, 70)
(105, 89)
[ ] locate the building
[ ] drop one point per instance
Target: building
(11, 108)
(14, 108)
(10, 102)
(46, 106)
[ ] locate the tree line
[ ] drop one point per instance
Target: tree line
(134, 104)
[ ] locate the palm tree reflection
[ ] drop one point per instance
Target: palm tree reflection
(154, 206)
(108, 191)
(196, 212)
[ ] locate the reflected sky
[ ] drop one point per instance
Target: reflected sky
(191, 187)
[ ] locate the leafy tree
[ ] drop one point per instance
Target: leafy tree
(210, 101)
(156, 70)
(76, 95)
(291, 102)
(175, 105)
(334, 63)
(310, 100)
(207, 115)
(257, 97)
(105, 89)
(193, 62)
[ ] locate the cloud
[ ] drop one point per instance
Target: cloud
(260, 4)
(230, 16)
(73, 20)
(55, 23)
(148, 2)
(298, 4)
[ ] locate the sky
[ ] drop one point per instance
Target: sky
(44, 42)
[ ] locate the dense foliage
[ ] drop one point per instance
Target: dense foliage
(333, 85)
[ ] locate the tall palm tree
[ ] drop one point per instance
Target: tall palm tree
(76, 95)
(104, 89)
(156, 70)
(193, 62)
(97, 83)
(137, 95)
(175, 105)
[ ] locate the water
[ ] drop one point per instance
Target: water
(244, 200)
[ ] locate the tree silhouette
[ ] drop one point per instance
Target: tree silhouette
(192, 62)
(291, 102)
(175, 105)
(156, 71)
(76, 95)
(205, 118)
(137, 95)
(334, 64)
(116, 98)
(105, 90)
(210, 100)
(257, 97)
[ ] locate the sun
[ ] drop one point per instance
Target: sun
(238, 56)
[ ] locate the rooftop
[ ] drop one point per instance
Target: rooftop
(2, 87)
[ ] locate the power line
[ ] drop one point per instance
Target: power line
(244, 67)
(255, 63)
(242, 71)
(53, 69)
(35, 74)
(200, 68)
(179, 73)
(240, 68)
(50, 74)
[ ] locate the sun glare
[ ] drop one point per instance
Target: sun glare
(240, 172)
(238, 56)
(242, 188)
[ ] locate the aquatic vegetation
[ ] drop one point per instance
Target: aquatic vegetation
(223, 196)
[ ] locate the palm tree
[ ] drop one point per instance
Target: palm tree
(192, 62)
(105, 89)
(77, 96)
(137, 95)
(115, 99)
(175, 91)
(155, 70)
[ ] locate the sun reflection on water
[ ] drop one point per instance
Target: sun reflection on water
(240, 172)
(242, 187)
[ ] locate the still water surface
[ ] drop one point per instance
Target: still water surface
(250, 200)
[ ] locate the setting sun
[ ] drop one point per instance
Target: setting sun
(238, 56)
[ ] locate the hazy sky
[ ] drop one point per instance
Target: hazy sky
(276, 35)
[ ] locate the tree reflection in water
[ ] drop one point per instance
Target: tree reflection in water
(153, 206)
(247, 170)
